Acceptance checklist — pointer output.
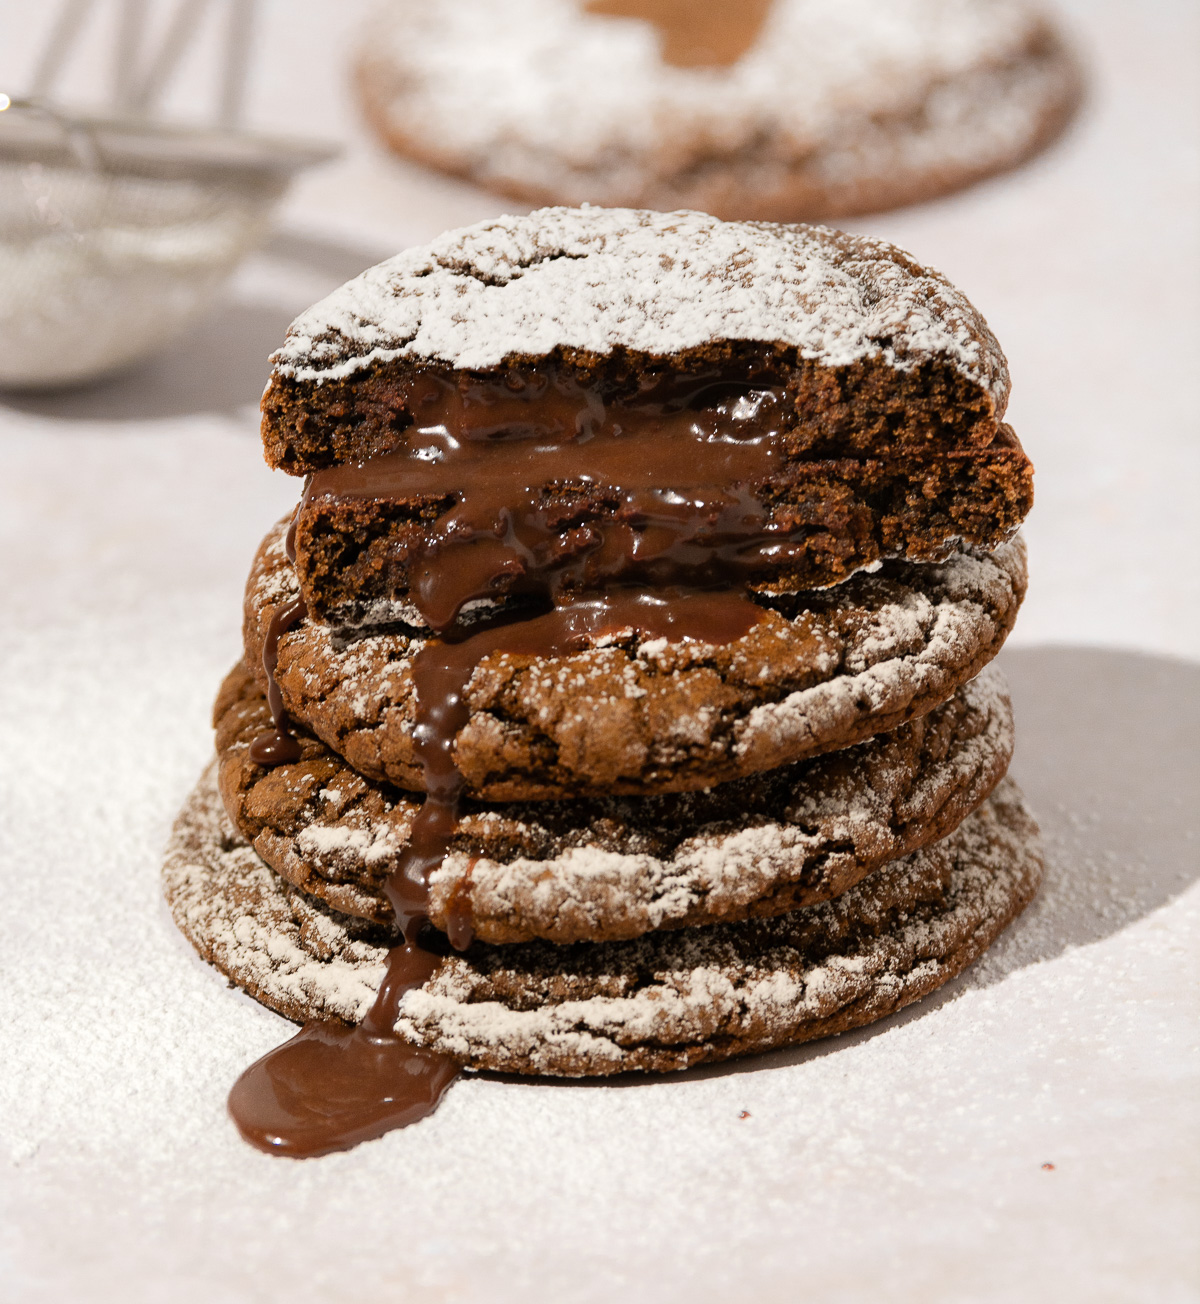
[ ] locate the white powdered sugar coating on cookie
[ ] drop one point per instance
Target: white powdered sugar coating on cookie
(695, 986)
(678, 993)
(841, 819)
(317, 961)
(597, 280)
(837, 106)
(904, 652)
(326, 843)
(611, 875)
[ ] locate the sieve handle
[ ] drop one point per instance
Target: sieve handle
(79, 135)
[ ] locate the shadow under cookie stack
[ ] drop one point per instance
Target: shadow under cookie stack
(619, 696)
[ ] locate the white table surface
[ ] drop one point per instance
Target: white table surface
(903, 1162)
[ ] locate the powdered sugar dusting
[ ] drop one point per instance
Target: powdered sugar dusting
(902, 653)
(873, 660)
(316, 960)
(682, 995)
(597, 280)
(848, 102)
(615, 867)
(843, 818)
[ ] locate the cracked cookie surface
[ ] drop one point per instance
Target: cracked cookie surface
(660, 1002)
(820, 671)
(608, 868)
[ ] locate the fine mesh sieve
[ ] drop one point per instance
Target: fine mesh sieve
(116, 231)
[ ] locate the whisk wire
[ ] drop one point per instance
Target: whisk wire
(178, 36)
(58, 47)
(126, 53)
(239, 39)
(140, 76)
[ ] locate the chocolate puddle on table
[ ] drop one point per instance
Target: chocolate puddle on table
(333, 1086)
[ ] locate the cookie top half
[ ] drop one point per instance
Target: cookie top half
(590, 284)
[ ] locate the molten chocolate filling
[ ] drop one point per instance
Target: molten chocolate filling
(695, 33)
(676, 471)
(682, 463)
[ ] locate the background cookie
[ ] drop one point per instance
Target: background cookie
(798, 109)
(612, 868)
(661, 1002)
(821, 671)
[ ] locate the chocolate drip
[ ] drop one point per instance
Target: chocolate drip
(554, 492)
(332, 1086)
(441, 712)
(289, 539)
(277, 746)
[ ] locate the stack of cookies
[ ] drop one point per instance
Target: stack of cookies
(627, 656)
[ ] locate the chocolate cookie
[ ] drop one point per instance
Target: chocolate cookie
(614, 868)
(577, 398)
(782, 110)
(664, 1001)
(819, 671)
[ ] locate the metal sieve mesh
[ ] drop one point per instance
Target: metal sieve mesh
(115, 232)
